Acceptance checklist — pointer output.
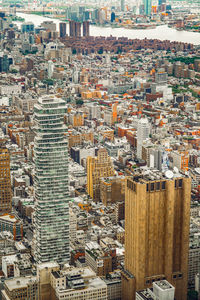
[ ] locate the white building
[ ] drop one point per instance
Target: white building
(10, 89)
(78, 283)
(72, 225)
(117, 146)
(162, 290)
(94, 111)
(197, 283)
(50, 68)
(143, 132)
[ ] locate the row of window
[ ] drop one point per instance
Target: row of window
(155, 186)
(149, 281)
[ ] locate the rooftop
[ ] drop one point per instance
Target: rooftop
(20, 282)
(163, 285)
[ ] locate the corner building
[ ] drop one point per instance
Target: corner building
(157, 216)
(51, 235)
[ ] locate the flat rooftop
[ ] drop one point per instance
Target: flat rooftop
(20, 282)
(144, 294)
(9, 218)
(163, 285)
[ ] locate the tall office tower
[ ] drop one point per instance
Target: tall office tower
(86, 28)
(72, 28)
(157, 220)
(51, 181)
(122, 5)
(98, 167)
(143, 131)
(77, 29)
(5, 181)
(147, 7)
(62, 28)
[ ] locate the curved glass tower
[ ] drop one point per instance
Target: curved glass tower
(51, 181)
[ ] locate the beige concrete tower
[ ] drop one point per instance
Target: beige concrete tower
(157, 216)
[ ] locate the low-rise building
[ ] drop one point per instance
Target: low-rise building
(78, 283)
(22, 288)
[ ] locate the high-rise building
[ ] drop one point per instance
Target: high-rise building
(51, 238)
(122, 5)
(71, 28)
(112, 18)
(77, 29)
(147, 7)
(86, 28)
(157, 219)
(98, 167)
(5, 62)
(143, 131)
(74, 29)
(5, 181)
(27, 27)
(160, 2)
(62, 27)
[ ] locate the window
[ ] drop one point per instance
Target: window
(157, 186)
(147, 281)
(180, 183)
(152, 186)
(163, 185)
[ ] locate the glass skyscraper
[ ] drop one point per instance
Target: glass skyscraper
(147, 7)
(51, 236)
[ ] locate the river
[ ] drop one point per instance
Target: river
(160, 32)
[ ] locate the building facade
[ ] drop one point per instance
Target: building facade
(112, 190)
(98, 167)
(86, 28)
(147, 7)
(5, 181)
(157, 222)
(21, 288)
(143, 132)
(51, 182)
(62, 27)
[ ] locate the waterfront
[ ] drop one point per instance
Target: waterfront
(160, 32)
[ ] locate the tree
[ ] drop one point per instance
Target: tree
(14, 71)
(192, 295)
(100, 51)
(79, 102)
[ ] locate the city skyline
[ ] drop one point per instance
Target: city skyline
(100, 150)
